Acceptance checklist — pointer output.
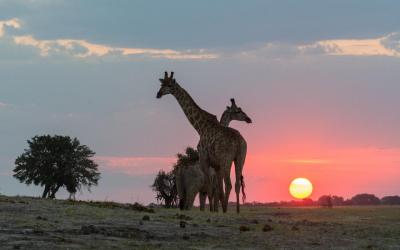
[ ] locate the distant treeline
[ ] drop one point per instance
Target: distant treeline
(333, 200)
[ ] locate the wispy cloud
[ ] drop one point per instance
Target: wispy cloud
(79, 48)
(135, 165)
(84, 49)
(388, 45)
(14, 23)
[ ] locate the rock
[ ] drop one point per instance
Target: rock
(183, 217)
(146, 217)
(254, 221)
(244, 228)
(41, 218)
(89, 229)
(267, 228)
(182, 224)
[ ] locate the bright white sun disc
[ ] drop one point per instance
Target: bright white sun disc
(300, 188)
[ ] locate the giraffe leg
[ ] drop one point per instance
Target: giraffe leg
(228, 185)
(239, 163)
(210, 202)
(203, 161)
(216, 201)
(221, 191)
(214, 198)
(202, 198)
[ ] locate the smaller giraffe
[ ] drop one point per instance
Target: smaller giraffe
(230, 114)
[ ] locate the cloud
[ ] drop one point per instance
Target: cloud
(82, 49)
(135, 165)
(388, 45)
(13, 23)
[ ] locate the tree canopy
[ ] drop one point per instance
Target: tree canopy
(190, 157)
(391, 200)
(365, 199)
(55, 162)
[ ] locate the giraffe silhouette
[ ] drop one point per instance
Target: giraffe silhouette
(218, 147)
(190, 179)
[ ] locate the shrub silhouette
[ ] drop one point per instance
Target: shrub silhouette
(365, 199)
(55, 162)
(325, 201)
(165, 187)
(391, 200)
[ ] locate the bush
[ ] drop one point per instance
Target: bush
(365, 199)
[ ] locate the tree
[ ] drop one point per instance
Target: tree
(337, 200)
(391, 200)
(190, 157)
(365, 199)
(165, 187)
(325, 201)
(55, 162)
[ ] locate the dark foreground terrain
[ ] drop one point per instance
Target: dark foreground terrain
(31, 223)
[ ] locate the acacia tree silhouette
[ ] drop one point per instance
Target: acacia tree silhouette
(57, 161)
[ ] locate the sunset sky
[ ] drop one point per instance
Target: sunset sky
(321, 82)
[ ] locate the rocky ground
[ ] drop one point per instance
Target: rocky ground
(32, 223)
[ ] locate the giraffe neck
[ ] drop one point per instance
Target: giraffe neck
(199, 118)
(225, 119)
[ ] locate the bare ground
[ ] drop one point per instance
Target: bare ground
(32, 223)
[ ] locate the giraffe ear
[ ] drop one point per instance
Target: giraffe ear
(165, 75)
(172, 75)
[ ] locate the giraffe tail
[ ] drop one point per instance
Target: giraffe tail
(243, 185)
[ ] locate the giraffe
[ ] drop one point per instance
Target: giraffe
(231, 113)
(190, 180)
(218, 147)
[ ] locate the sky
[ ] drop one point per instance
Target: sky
(320, 81)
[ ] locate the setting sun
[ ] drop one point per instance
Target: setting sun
(300, 188)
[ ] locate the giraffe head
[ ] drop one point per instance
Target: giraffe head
(167, 84)
(236, 113)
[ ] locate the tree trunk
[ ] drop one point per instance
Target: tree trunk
(54, 191)
(45, 191)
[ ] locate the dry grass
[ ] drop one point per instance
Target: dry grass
(31, 223)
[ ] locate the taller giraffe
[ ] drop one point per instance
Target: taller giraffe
(218, 147)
